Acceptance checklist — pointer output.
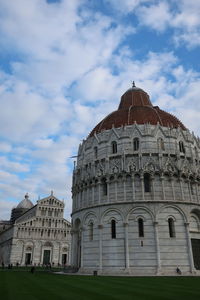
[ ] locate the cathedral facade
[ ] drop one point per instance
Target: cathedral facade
(136, 193)
(36, 234)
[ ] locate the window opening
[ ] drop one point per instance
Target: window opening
(95, 152)
(91, 226)
(140, 227)
(171, 227)
(113, 229)
(181, 147)
(136, 144)
(147, 183)
(105, 187)
(114, 147)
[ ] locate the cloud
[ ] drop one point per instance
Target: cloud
(12, 166)
(180, 16)
(5, 147)
(156, 16)
(59, 44)
(126, 6)
(5, 208)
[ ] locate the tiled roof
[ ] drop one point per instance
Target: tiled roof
(136, 107)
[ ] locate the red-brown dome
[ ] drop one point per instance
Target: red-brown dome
(136, 107)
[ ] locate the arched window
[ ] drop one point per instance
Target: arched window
(140, 227)
(171, 227)
(95, 152)
(147, 183)
(114, 147)
(161, 145)
(113, 229)
(104, 187)
(91, 226)
(181, 147)
(136, 144)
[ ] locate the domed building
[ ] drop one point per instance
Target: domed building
(136, 195)
(36, 234)
(21, 208)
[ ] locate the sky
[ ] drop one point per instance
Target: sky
(64, 65)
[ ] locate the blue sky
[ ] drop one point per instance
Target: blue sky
(64, 66)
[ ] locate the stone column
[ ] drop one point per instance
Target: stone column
(126, 246)
(189, 188)
(84, 197)
(190, 254)
(181, 185)
(196, 188)
(59, 254)
(79, 198)
(172, 184)
(33, 253)
(41, 252)
(108, 189)
(163, 187)
(133, 185)
(152, 184)
(82, 236)
(99, 191)
(100, 246)
(157, 248)
(93, 186)
(124, 186)
(23, 254)
(115, 183)
(142, 185)
(74, 247)
(52, 253)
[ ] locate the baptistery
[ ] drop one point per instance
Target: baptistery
(136, 194)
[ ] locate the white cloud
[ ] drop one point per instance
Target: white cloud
(5, 208)
(12, 166)
(156, 16)
(59, 43)
(126, 6)
(5, 147)
(180, 15)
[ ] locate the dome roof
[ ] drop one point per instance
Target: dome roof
(25, 203)
(136, 107)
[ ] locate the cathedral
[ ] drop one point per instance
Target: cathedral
(136, 193)
(36, 234)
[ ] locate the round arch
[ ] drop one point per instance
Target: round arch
(183, 214)
(110, 210)
(93, 216)
(140, 207)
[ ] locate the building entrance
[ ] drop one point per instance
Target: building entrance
(196, 252)
(64, 259)
(28, 259)
(46, 257)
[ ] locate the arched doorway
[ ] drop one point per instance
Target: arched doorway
(47, 253)
(195, 237)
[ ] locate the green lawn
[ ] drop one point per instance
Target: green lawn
(23, 285)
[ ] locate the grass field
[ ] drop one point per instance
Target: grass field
(22, 285)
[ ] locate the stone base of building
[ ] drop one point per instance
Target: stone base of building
(136, 271)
